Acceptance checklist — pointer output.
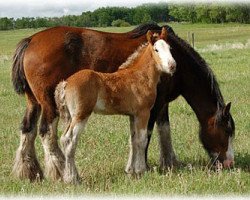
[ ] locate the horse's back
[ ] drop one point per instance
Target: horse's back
(56, 53)
(52, 55)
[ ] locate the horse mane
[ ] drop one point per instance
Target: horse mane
(130, 60)
(143, 28)
(200, 68)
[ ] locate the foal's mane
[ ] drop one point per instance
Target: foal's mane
(130, 60)
(200, 68)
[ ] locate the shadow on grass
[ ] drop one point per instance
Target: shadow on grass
(242, 161)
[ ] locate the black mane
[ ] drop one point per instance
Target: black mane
(201, 68)
(143, 28)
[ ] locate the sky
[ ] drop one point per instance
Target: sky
(52, 8)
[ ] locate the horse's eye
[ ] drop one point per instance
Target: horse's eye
(156, 50)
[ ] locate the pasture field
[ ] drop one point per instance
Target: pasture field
(103, 148)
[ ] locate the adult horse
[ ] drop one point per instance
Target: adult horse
(44, 59)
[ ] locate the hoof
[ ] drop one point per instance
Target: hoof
(164, 166)
(71, 178)
(54, 166)
(27, 168)
(133, 172)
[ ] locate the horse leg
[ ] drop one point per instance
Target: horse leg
(132, 133)
(137, 163)
(167, 154)
(54, 158)
(69, 142)
(26, 164)
(151, 122)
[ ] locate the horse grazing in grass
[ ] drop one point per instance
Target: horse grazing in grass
(130, 91)
(44, 59)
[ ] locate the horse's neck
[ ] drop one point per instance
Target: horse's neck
(201, 91)
(145, 65)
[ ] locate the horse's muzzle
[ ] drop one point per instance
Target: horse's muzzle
(228, 163)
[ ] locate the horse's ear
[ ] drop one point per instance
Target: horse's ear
(150, 37)
(163, 33)
(226, 109)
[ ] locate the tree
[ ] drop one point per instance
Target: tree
(202, 13)
(120, 23)
(6, 23)
(217, 14)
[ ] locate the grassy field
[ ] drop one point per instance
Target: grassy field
(103, 149)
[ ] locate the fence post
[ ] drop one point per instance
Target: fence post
(188, 37)
(193, 39)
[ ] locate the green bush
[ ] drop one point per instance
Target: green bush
(120, 23)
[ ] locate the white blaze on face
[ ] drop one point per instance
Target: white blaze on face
(167, 61)
(230, 151)
(229, 155)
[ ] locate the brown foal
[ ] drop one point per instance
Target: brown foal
(130, 91)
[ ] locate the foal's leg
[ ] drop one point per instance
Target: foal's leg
(137, 163)
(167, 154)
(54, 158)
(26, 164)
(69, 142)
(132, 133)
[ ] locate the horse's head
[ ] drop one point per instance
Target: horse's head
(161, 51)
(217, 137)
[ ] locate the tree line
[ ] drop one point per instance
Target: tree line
(211, 13)
(123, 16)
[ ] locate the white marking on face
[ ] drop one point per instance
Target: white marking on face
(167, 61)
(230, 151)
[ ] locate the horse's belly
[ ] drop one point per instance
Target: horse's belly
(101, 107)
(110, 107)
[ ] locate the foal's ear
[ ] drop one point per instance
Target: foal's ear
(163, 33)
(150, 37)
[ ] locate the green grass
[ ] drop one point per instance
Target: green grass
(103, 149)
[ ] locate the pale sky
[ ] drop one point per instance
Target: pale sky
(51, 8)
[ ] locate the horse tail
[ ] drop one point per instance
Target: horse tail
(19, 81)
(61, 102)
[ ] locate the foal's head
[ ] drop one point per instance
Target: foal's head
(161, 51)
(217, 137)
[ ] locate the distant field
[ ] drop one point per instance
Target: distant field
(103, 149)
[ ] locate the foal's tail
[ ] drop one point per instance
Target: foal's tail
(61, 102)
(18, 77)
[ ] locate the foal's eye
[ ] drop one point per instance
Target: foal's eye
(156, 50)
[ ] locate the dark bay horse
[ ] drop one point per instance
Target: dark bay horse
(41, 61)
(130, 91)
